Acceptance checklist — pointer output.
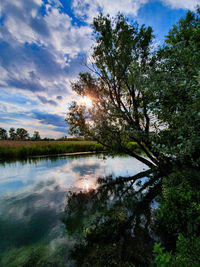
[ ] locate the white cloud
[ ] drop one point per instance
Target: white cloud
(54, 30)
(183, 4)
(87, 9)
(65, 37)
(40, 71)
(127, 6)
(47, 69)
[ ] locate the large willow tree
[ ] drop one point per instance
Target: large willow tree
(146, 95)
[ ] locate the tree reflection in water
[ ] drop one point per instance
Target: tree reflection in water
(112, 224)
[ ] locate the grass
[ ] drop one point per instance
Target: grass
(22, 149)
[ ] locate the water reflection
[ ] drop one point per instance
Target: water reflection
(65, 172)
(32, 193)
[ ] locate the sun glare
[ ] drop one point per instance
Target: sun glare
(86, 184)
(87, 101)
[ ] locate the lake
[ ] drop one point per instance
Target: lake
(33, 197)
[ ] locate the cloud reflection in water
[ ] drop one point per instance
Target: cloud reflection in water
(32, 194)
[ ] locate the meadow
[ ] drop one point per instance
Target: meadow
(21, 149)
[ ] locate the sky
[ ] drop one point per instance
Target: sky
(43, 44)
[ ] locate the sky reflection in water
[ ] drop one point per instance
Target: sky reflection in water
(32, 194)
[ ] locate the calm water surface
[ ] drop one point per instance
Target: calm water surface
(33, 194)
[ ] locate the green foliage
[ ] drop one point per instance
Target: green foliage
(161, 259)
(22, 134)
(120, 112)
(38, 150)
(176, 92)
(3, 134)
(187, 254)
(178, 220)
(188, 251)
(179, 208)
(36, 136)
(12, 133)
(150, 97)
(134, 88)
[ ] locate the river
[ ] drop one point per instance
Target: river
(33, 197)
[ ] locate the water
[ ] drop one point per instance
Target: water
(33, 195)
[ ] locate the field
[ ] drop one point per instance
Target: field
(11, 143)
(22, 149)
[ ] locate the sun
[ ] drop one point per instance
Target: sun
(86, 184)
(87, 101)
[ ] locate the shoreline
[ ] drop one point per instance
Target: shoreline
(67, 154)
(49, 149)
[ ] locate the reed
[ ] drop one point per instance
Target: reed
(24, 149)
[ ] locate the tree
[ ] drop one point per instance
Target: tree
(12, 133)
(3, 134)
(120, 113)
(22, 134)
(175, 85)
(36, 136)
(151, 97)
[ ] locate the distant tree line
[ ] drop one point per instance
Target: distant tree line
(18, 134)
(22, 134)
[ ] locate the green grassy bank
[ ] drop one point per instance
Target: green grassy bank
(24, 151)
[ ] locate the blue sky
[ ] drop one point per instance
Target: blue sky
(42, 46)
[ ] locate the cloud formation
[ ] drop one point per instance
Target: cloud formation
(44, 100)
(86, 9)
(40, 52)
(42, 46)
(49, 119)
(184, 4)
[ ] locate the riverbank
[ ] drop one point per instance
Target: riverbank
(22, 149)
